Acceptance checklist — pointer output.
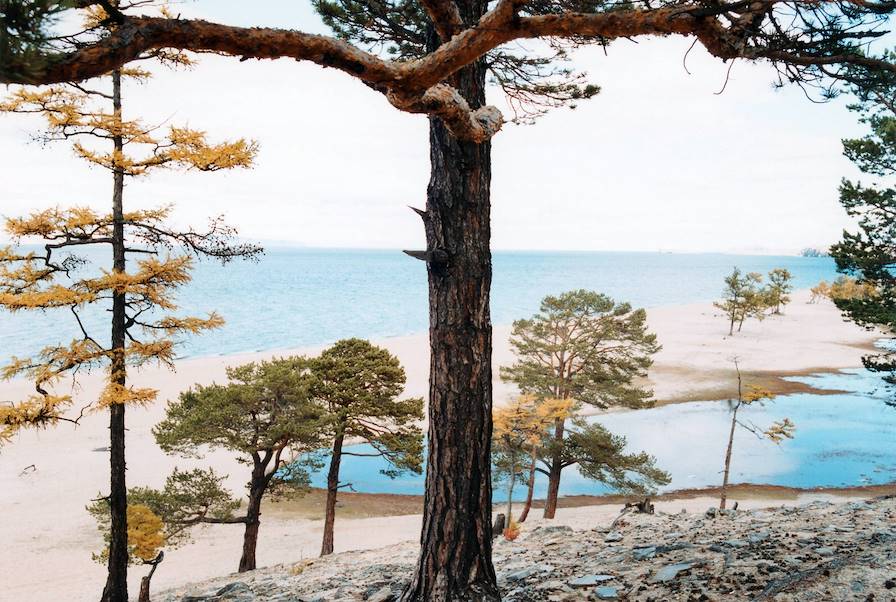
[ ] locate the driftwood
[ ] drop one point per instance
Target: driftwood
(642, 507)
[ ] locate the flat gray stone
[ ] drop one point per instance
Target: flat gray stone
(644, 553)
(668, 573)
(758, 537)
(606, 593)
(825, 551)
(613, 536)
(589, 580)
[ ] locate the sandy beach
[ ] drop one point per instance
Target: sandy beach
(48, 477)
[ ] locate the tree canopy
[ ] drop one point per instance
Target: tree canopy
(868, 254)
(358, 385)
(601, 456)
(264, 415)
(584, 346)
(387, 45)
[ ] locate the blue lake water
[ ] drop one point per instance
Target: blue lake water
(841, 440)
(300, 297)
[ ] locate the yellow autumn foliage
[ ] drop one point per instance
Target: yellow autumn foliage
(54, 296)
(37, 410)
(146, 532)
(85, 114)
(152, 280)
(526, 417)
(756, 393)
(115, 394)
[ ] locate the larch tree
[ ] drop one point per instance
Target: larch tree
(146, 538)
(868, 254)
(520, 432)
(584, 347)
(434, 58)
(778, 289)
(160, 520)
(776, 432)
(358, 385)
(141, 329)
(547, 412)
(515, 425)
(267, 417)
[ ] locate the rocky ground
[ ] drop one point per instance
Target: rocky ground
(821, 551)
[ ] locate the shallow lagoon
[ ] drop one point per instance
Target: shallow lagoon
(842, 440)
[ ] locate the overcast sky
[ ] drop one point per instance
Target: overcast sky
(657, 161)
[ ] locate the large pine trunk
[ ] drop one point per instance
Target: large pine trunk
(332, 491)
(456, 542)
(253, 521)
(116, 589)
(556, 470)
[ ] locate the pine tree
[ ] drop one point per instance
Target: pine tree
(139, 332)
(584, 347)
(778, 289)
(742, 298)
(435, 58)
(267, 417)
(868, 255)
(358, 385)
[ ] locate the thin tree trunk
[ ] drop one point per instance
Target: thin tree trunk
(116, 589)
(144, 590)
(530, 487)
(727, 471)
(456, 541)
(510, 481)
(253, 521)
(724, 496)
(556, 468)
(332, 490)
(145, 581)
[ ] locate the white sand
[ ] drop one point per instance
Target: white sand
(48, 537)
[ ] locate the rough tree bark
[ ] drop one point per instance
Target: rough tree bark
(332, 491)
(456, 541)
(257, 487)
(556, 470)
(116, 589)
